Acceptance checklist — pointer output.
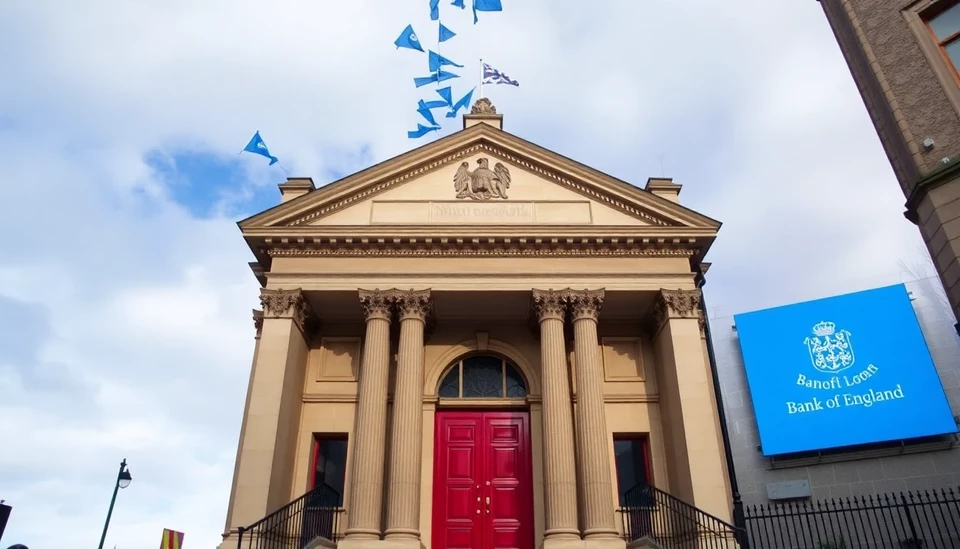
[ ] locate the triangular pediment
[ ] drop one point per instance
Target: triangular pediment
(481, 176)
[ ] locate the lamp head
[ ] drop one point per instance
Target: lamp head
(124, 479)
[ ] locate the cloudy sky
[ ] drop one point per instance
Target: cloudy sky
(125, 295)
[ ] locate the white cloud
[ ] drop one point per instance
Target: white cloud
(139, 338)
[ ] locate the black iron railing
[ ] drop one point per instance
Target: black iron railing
(297, 524)
(911, 520)
(648, 512)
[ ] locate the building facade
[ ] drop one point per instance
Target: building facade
(861, 472)
(479, 343)
(904, 56)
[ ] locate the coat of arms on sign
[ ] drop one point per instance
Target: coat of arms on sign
(831, 350)
(482, 183)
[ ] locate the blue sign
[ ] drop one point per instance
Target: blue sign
(840, 371)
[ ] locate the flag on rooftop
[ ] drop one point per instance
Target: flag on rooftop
(445, 33)
(434, 10)
(427, 114)
(485, 5)
(257, 146)
(171, 539)
(429, 105)
(436, 61)
(493, 76)
(438, 77)
(408, 39)
(421, 131)
(447, 94)
(462, 104)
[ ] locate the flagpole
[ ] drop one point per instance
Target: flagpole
(439, 22)
(481, 78)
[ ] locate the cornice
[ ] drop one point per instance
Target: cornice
(358, 232)
(439, 250)
(628, 242)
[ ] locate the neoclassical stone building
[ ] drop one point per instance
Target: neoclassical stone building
(479, 343)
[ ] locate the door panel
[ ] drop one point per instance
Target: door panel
(507, 457)
(483, 488)
(457, 476)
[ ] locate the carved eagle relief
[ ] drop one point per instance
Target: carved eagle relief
(482, 183)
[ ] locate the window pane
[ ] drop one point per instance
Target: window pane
(483, 377)
(332, 464)
(450, 386)
(631, 464)
(946, 23)
(953, 50)
(515, 386)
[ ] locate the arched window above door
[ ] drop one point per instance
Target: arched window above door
(483, 376)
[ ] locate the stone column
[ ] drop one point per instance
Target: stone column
(596, 489)
(403, 500)
(370, 426)
(559, 467)
(697, 470)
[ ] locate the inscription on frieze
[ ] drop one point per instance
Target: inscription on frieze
(464, 212)
(460, 212)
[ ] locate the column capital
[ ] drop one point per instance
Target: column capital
(676, 304)
(415, 304)
(585, 304)
(258, 321)
(549, 304)
(291, 304)
(377, 303)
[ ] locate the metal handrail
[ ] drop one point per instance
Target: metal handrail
(297, 524)
(648, 512)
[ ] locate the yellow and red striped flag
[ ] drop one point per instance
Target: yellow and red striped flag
(171, 539)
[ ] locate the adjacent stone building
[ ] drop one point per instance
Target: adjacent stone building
(904, 56)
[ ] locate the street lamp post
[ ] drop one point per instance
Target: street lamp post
(123, 480)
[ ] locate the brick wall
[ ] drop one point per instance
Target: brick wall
(913, 87)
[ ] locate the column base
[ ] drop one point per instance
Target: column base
(229, 541)
(380, 544)
(562, 543)
(602, 543)
(231, 538)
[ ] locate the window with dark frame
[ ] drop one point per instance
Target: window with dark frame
(330, 462)
(945, 28)
(632, 460)
(482, 376)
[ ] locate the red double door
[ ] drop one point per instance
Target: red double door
(483, 481)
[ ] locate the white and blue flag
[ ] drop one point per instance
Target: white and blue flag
(493, 76)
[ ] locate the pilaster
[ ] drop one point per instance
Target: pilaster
(290, 304)
(258, 322)
(690, 412)
(262, 477)
(559, 467)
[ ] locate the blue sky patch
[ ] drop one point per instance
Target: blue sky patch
(208, 184)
